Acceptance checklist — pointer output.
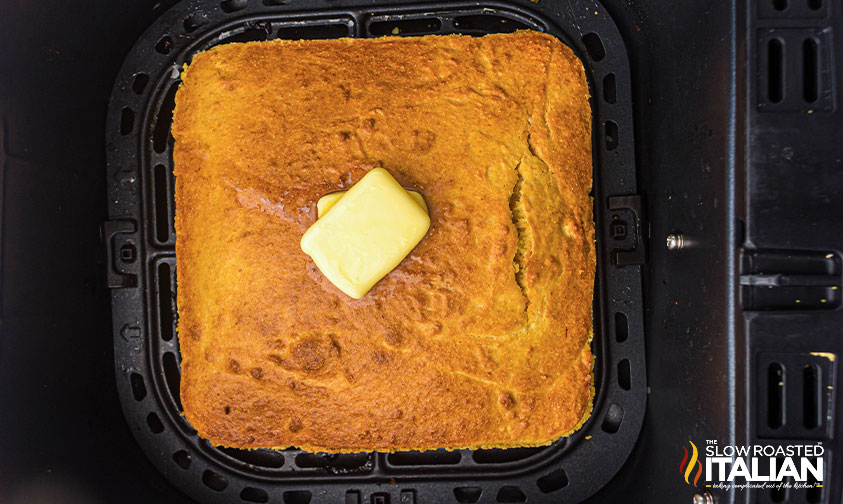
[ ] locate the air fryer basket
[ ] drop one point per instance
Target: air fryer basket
(140, 241)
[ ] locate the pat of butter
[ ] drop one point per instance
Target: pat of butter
(367, 233)
(326, 202)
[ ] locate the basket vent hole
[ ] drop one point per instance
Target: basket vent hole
(815, 4)
(611, 130)
(165, 301)
(139, 82)
(251, 494)
(610, 93)
(438, 457)
(161, 131)
(127, 121)
(229, 6)
(594, 46)
(313, 32)
(497, 456)
(165, 45)
(775, 70)
(352, 497)
(811, 396)
(775, 395)
(484, 23)
(468, 495)
(163, 201)
(344, 461)
(297, 497)
(780, 5)
(182, 459)
(406, 27)
(194, 22)
(624, 379)
(511, 493)
(252, 33)
(810, 65)
(214, 481)
(138, 387)
(612, 420)
(260, 458)
(621, 327)
(552, 482)
(172, 375)
(271, 3)
(154, 423)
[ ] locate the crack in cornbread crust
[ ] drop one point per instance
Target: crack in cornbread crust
(448, 350)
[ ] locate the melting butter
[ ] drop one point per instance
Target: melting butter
(368, 232)
(326, 202)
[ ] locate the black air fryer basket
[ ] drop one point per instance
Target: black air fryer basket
(140, 241)
(718, 198)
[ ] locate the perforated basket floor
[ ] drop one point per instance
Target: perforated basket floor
(140, 243)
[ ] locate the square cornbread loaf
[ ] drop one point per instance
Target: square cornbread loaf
(480, 337)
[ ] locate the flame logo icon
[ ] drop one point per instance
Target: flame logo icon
(687, 466)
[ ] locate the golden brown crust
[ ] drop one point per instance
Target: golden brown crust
(480, 337)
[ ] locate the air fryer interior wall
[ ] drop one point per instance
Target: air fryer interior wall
(739, 175)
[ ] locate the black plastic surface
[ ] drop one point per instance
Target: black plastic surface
(144, 316)
(791, 224)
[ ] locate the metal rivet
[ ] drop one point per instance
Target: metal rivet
(704, 498)
(675, 241)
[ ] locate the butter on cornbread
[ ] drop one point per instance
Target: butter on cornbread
(326, 202)
(367, 233)
(480, 337)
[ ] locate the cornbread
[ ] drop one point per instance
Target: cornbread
(480, 337)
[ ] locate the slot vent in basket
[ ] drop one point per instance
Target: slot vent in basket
(482, 24)
(426, 458)
(161, 138)
(314, 32)
(251, 494)
(418, 26)
(511, 493)
(338, 463)
(269, 459)
(498, 456)
(467, 495)
(172, 376)
(552, 482)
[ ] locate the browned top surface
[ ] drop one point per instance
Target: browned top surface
(479, 337)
